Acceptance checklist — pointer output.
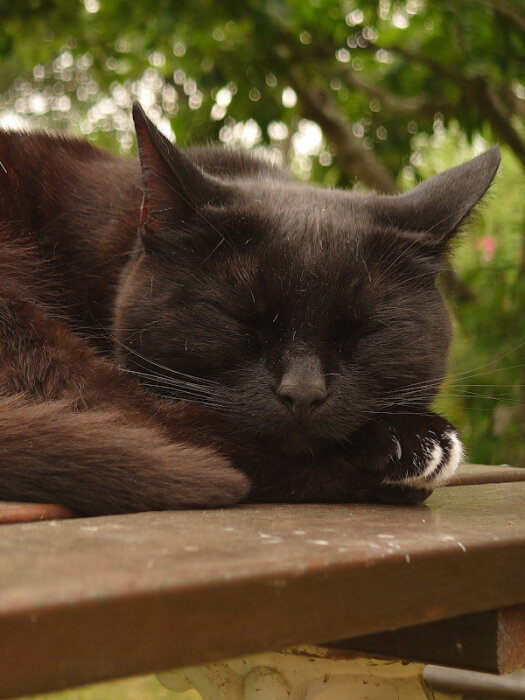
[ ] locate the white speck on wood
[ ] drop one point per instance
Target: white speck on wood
(321, 542)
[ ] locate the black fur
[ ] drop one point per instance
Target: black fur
(268, 339)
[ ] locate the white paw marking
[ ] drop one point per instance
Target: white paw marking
(399, 451)
(436, 455)
(436, 465)
(454, 461)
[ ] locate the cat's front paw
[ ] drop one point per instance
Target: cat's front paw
(425, 460)
(417, 452)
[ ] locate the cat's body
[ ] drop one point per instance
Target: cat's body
(302, 325)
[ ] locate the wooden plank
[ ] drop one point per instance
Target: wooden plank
(14, 512)
(90, 599)
(492, 641)
(484, 474)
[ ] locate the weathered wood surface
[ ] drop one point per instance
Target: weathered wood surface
(469, 474)
(83, 600)
(485, 474)
(13, 512)
(491, 641)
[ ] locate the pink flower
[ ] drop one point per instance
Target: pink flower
(487, 245)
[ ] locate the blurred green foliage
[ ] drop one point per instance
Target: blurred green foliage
(375, 93)
(484, 392)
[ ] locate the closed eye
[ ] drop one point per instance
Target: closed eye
(344, 334)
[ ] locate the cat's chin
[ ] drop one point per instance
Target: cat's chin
(297, 442)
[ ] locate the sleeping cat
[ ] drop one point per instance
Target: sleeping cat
(199, 329)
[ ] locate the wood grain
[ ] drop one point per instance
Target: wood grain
(90, 599)
(11, 512)
(14, 512)
(486, 474)
(492, 641)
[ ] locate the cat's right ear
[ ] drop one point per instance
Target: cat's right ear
(174, 187)
(435, 209)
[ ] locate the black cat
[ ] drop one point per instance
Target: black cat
(200, 329)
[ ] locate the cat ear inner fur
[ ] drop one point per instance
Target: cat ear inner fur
(174, 187)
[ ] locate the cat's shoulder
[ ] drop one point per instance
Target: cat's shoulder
(35, 145)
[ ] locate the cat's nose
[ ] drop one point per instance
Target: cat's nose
(302, 388)
(302, 399)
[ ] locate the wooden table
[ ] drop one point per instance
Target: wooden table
(83, 600)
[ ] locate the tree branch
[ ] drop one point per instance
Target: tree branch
(481, 94)
(408, 106)
(512, 102)
(521, 268)
(353, 158)
(410, 55)
(504, 10)
(490, 105)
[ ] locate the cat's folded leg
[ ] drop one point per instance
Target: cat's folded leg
(95, 463)
(407, 452)
(76, 431)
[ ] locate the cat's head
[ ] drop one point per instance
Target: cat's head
(298, 312)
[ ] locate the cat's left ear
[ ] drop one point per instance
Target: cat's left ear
(174, 187)
(436, 208)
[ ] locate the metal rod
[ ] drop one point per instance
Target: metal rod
(481, 685)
